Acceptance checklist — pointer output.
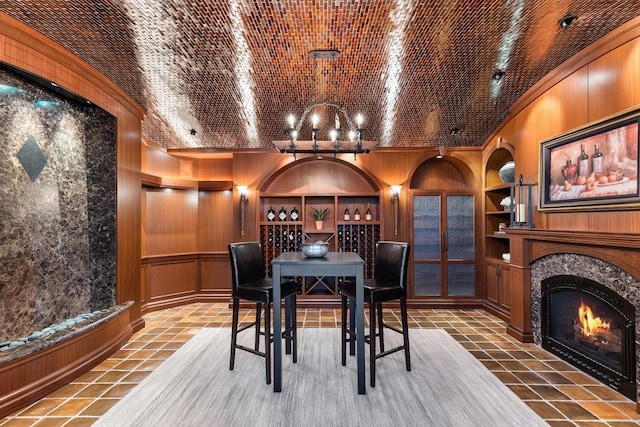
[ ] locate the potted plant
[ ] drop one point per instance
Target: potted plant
(319, 215)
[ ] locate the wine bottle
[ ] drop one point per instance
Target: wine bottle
(294, 214)
(583, 163)
(271, 215)
(367, 214)
(347, 216)
(596, 160)
(282, 215)
(356, 215)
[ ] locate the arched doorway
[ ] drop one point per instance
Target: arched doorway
(444, 220)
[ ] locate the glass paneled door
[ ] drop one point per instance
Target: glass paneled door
(443, 245)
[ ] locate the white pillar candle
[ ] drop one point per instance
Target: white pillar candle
(521, 213)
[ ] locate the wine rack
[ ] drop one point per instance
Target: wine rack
(353, 236)
(360, 238)
(278, 237)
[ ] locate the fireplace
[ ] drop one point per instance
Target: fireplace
(611, 260)
(591, 327)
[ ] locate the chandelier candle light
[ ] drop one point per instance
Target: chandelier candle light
(336, 145)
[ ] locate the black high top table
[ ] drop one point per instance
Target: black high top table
(344, 264)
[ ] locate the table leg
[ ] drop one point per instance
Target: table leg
(352, 325)
(360, 330)
(287, 324)
(277, 331)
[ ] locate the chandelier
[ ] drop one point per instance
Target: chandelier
(337, 139)
(340, 140)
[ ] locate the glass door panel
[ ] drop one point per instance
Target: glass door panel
(426, 227)
(426, 280)
(460, 245)
(444, 246)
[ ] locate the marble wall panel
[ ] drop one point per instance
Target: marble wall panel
(57, 217)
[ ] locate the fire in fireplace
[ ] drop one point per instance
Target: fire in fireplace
(591, 327)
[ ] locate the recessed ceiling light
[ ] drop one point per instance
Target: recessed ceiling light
(194, 132)
(498, 75)
(567, 20)
(454, 131)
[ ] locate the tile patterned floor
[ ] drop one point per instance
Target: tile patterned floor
(560, 394)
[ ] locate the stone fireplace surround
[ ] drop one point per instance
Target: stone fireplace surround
(610, 259)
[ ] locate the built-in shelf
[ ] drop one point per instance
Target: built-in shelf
(155, 181)
(496, 274)
(344, 236)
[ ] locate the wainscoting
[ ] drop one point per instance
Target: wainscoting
(172, 280)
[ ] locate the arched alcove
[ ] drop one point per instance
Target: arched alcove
(446, 173)
(320, 176)
(444, 215)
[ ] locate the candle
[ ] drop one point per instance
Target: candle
(337, 122)
(359, 120)
(314, 121)
(292, 120)
(521, 213)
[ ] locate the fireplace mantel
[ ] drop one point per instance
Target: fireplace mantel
(527, 245)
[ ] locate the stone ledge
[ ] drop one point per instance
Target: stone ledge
(69, 332)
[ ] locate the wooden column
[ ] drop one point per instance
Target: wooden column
(519, 325)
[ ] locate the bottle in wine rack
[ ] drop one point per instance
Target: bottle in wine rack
(356, 215)
(294, 214)
(347, 216)
(367, 214)
(282, 215)
(271, 214)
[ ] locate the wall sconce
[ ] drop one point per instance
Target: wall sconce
(395, 193)
(242, 189)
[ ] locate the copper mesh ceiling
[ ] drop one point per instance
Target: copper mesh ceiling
(233, 70)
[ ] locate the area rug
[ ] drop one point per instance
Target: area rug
(447, 386)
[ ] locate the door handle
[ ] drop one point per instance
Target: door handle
(444, 241)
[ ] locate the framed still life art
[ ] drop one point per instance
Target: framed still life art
(595, 167)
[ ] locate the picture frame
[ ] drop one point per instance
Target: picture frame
(594, 167)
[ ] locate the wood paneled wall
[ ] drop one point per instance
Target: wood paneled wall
(390, 167)
(185, 232)
(171, 221)
(600, 81)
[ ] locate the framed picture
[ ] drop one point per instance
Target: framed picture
(595, 167)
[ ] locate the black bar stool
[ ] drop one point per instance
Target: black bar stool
(250, 283)
(388, 284)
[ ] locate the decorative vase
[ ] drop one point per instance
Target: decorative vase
(319, 225)
(507, 173)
